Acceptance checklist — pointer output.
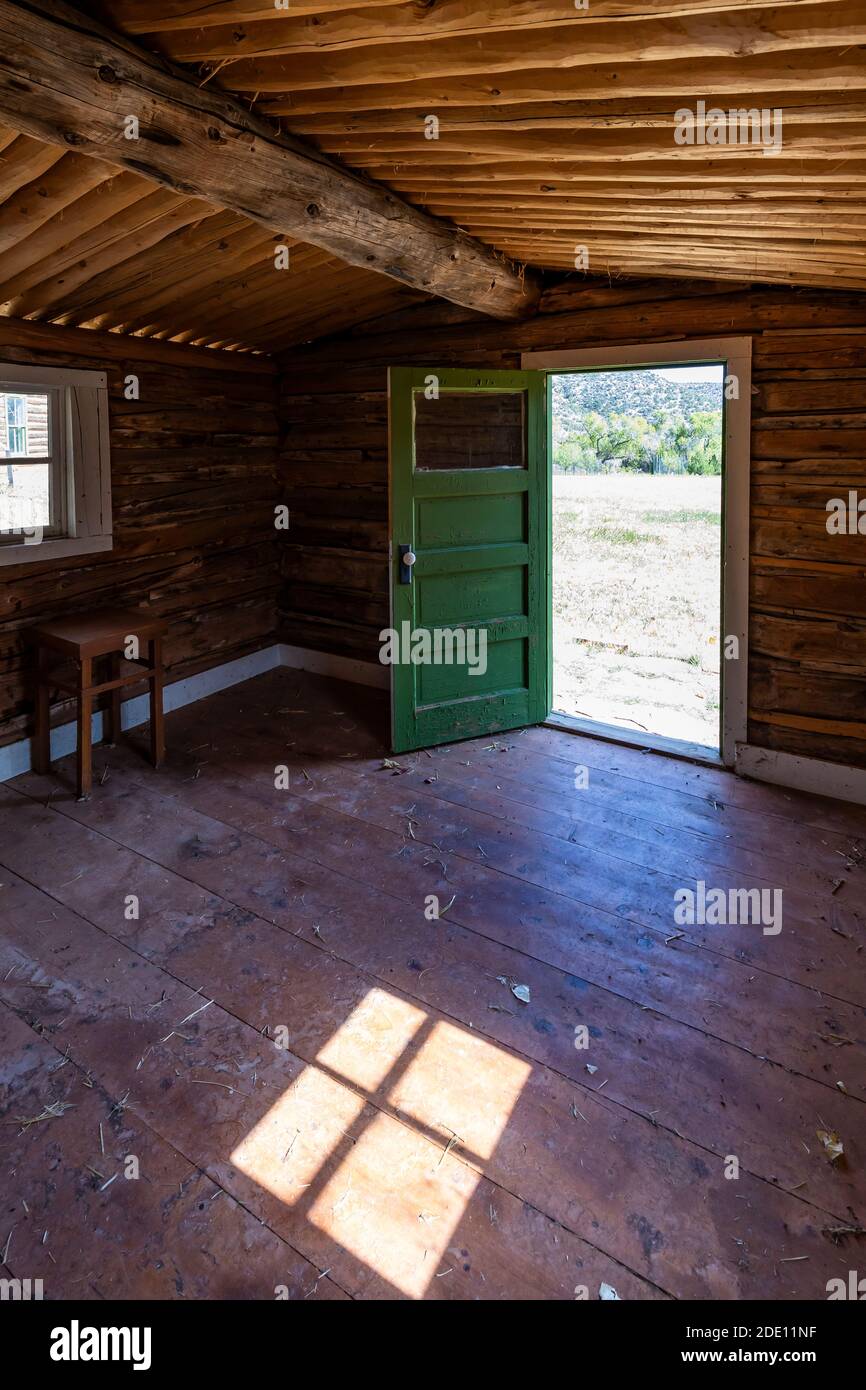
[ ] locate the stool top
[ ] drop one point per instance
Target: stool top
(99, 631)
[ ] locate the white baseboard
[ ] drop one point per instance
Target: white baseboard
(761, 764)
(339, 668)
(802, 774)
(15, 758)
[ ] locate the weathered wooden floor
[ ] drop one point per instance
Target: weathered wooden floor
(239, 991)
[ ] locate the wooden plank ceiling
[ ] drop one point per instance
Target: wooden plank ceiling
(555, 132)
(85, 245)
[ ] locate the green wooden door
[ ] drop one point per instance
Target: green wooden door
(470, 542)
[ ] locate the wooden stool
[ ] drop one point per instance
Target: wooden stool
(85, 638)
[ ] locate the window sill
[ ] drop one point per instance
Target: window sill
(57, 548)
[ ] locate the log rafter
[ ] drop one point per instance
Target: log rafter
(68, 81)
(545, 146)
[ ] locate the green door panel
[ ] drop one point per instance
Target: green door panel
(506, 674)
(467, 520)
(470, 495)
(483, 596)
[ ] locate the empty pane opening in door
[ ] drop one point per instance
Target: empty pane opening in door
(637, 458)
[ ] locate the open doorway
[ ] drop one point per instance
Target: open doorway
(637, 548)
(649, 453)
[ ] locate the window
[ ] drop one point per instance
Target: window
(55, 494)
(16, 424)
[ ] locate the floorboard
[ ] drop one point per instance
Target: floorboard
(358, 1081)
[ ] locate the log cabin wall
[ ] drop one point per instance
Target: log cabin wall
(193, 492)
(807, 672)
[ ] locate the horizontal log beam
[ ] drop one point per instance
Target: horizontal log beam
(552, 147)
(580, 41)
(291, 32)
(733, 168)
(634, 113)
(840, 70)
(148, 16)
(68, 80)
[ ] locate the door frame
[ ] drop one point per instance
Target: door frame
(736, 354)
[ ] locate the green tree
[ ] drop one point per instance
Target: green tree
(704, 453)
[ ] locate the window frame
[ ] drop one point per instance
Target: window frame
(78, 458)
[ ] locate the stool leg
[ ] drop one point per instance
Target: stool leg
(42, 742)
(112, 714)
(85, 715)
(157, 726)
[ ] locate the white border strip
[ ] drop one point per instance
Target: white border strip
(802, 774)
(339, 668)
(761, 764)
(15, 757)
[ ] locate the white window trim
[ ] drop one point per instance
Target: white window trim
(84, 439)
(736, 353)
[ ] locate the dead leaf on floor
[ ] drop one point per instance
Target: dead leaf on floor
(519, 991)
(388, 764)
(833, 1146)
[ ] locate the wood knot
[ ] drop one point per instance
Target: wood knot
(313, 210)
(106, 74)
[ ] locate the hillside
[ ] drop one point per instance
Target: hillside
(627, 393)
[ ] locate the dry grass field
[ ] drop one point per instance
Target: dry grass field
(636, 601)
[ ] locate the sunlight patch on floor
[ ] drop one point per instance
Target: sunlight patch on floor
(285, 1151)
(373, 1038)
(391, 1191)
